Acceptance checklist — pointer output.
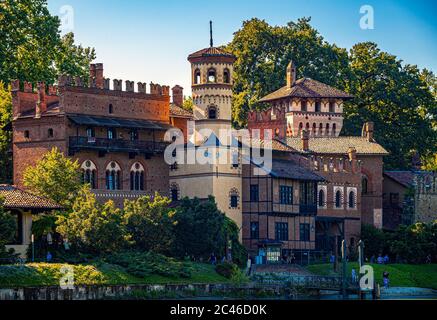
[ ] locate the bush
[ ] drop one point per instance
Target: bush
(144, 264)
(227, 270)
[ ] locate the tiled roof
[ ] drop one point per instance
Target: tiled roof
(404, 178)
(176, 111)
(307, 88)
(276, 145)
(16, 198)
(211, 52)
(338, 145)
(287, 169)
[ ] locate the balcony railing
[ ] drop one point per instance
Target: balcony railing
(115, 145)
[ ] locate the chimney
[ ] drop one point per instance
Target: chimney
(368, 131)
(305, 141)
(41, 104)
(352, 152)
(99, 75)
(92, 70)
(178, 95)
(291, 74)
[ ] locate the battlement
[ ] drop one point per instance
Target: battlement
(266, 115)
(336, 164)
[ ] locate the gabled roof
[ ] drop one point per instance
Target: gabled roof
(211, 52)
(307, 88)
(288, 169)
(404, 178)
(16, 198)
(178, 112)
(338, 145)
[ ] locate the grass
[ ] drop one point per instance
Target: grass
(401, 275)
(45, 274)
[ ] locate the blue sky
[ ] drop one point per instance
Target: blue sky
(150, 40)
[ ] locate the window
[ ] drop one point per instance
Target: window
(174, 192)
(50, 133)
(197, 76)
(111, 133)
(364, 186)
(26, 134)
(300, 128)
(113, 176)
(18, 221)
(254, 193)
(110, 109)
(281, 231)
(286, 195)
(338, 199)
(320, 129)
(351, 199)
(226, 76)
(327, 129)
(137, 177)
(318, 106)
(211, 75)
(90, 133)
(303, 105)
(308, 193)
(314, 129)
(332, 107)
(89, 173)
(334, 129)
(321, 198)
(304, 232)
(133, 135)
(254, 230)
(233, 198)
(212, 113)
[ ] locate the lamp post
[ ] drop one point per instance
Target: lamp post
(343, 257)
(33, 247)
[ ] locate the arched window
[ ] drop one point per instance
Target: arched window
(351, 199)
(307, 127)
(212, 112)
(26, 134)
(234, 198)
(364, 185)
(226, 76)
(89, 173)
(113, 176)
(338, 199)
(197, 78)
(174, 192)
(318, 106)
(334, 129)
(110, 109)
(212, 75)
(321, 198)
(303, 105)
(137, 177)
(300, 128)
(327, 129)
(314, 129)
(50, 133)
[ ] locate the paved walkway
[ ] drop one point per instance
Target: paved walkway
(280, 268)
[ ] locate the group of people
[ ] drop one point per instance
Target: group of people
(381, 259)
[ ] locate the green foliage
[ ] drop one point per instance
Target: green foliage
(202, 229)
(93, 227)
(227, 269)
(144, 264)
(7, 231)
(5, 134)
(55, 177)
(410, 244)
(150, 222)
(188, 103)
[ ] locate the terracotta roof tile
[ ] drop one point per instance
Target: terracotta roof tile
(338, 145)
(307, 88)
(176, 111)
(211, 52)
(16, 198)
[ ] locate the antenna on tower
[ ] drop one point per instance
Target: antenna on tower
(211, 43)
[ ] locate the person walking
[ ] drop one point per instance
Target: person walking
(385, 279)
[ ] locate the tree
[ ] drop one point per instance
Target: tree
(188, 104)
(150, 222)
(263, 53)
(397, 99)
(92, 227)
(203, 229)
(5, 134)
(7, 230)
(32, 49)
(55, 177)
